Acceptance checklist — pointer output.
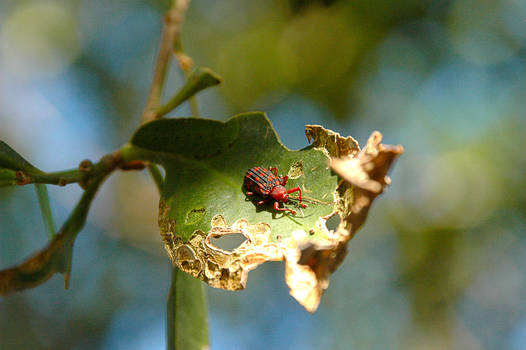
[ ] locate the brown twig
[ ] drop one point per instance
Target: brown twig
(169, 41)
(83, 174)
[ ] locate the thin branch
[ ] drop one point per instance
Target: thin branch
(56, 256)
(60, 178)
(82, 175)
(186, 64)
(170, 36)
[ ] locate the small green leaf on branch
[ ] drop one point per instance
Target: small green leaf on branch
(10, 159)
(198, 80)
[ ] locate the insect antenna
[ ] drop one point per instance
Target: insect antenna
(296, 200)
(309, 200)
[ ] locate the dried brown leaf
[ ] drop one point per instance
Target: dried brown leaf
(38, 268)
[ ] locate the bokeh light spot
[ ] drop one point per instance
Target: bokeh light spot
(39, 39)
(479, 34)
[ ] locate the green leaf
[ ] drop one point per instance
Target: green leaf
(203, 198)
(187, 320)
(10, 163)
(45, 209)
(10, 159)
(205, 164)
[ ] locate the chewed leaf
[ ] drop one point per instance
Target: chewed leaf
(204, 199)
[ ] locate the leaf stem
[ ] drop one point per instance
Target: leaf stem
(187, 321)
(194, 108)
(157, 176)
(45, 209)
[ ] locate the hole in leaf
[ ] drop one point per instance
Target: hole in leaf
(333, 222)
(296, 170)
(194, 216)
(228, 242)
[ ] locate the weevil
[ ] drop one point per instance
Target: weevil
(268, 185)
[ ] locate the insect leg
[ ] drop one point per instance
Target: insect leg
(297, 189)
(284, 180)
(274, 170)
(276, 206)
(263, 201)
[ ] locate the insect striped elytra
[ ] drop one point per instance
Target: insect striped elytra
(268, 185)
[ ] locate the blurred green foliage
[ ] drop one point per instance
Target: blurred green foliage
(439, 263)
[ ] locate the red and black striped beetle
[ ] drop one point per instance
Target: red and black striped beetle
(267, 184)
